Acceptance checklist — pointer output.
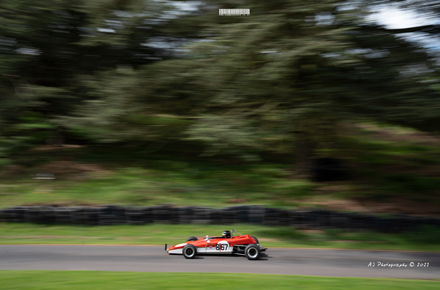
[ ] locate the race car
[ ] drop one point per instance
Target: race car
(244, 245)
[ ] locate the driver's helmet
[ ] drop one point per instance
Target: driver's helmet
(226, 234)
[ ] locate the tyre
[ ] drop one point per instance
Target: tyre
(191, 239)
(189, 251)
(256, 240)
(252, 252)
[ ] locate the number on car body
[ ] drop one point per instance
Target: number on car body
(221, 247)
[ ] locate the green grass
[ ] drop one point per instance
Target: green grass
(65, 280)
(425, 239)
(381, 171)
(386, 169)
(156, 181)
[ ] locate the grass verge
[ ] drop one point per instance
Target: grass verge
(381, 170)
(65, 280)
(424, 239)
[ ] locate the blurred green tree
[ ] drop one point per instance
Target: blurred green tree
(286, 76)
(282, 79)
(49, 49)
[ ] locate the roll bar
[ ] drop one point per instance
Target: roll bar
(232, 233)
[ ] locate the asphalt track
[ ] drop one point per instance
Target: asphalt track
(315, 262)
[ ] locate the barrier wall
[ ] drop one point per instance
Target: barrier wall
(253, 214)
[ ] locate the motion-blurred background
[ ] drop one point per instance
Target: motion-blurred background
(322, 104)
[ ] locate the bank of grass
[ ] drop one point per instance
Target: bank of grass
(424, 239)
(391, 163)
(381, 170)
(66, 280)
(137, 178)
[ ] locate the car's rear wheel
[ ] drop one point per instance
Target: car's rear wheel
(256, 240)
(189, 251)
(252, 252)
(191, 239)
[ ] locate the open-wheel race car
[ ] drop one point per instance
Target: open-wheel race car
(244, 245)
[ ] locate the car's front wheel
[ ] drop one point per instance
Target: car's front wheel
(189, 251)
(252, 252)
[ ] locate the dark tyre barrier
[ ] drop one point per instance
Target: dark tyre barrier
(253, 214)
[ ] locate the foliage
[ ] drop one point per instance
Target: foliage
(282, 80)
(285, 77)
(51, 50)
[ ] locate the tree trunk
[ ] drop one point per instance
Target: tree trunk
(304, 151)
(56, 138)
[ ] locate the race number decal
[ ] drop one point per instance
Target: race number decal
(222, 246)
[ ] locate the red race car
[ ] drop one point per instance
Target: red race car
(226, 244)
